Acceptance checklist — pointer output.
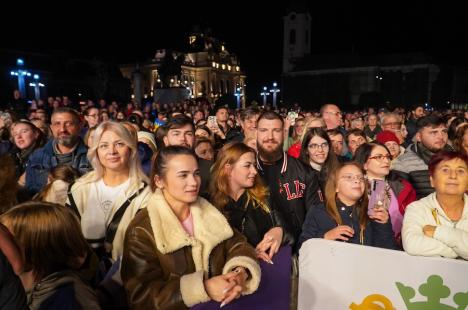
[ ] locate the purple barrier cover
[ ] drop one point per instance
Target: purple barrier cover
(274, 289)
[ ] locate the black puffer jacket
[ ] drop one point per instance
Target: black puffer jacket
(248, 217)
(413, 166)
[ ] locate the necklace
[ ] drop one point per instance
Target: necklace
(455, 212)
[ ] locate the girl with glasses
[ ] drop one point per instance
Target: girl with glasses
(315, 151)
(385, 189)
(344, 216)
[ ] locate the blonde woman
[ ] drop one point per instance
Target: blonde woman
(107, 199)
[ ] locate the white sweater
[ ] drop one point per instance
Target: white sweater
(450, 239)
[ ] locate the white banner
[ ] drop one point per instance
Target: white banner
(338, 275)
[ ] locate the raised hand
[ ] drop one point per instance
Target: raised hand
(380, 215)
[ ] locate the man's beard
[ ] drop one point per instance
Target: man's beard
(270, 156)
(68, 141)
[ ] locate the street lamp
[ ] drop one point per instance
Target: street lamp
(238, 94)
(265, 93)
(37, 86)
(274, 90)
(21, 75)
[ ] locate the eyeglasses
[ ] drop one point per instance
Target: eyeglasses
(353, 177)
(314, 146)
(381, 157)
(393, 124)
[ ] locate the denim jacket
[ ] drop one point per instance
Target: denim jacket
(43, 160)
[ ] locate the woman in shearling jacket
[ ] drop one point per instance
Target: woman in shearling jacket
(180, 250)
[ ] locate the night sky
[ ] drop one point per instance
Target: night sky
(255, 34)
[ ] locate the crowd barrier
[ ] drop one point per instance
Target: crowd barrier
(338, 275)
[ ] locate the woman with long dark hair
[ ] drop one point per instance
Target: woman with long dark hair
(315, 152)
(385, 188)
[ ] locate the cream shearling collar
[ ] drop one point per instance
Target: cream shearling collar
(210, 229)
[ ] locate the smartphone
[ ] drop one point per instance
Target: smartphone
(292, 116)
(377, 198)
(211, 123)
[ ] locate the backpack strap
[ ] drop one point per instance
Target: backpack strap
(114, 224)
(72, 204)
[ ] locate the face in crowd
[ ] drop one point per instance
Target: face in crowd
(394, 148)
(418, 113)
(392, 123)
(354, 141)
(377, 165)
(65, 129)
(318, 149)
(222, 115)
(270, 139)
(350, 184)
(181, 180)
(205, 150)
(373, 120)
(113, 153)
(242, 173)
(24, 135)
(450, 177)
(433, 138)
(249, 126)
(337, 144)
(92, 118)
(183, 136)
(332, 116)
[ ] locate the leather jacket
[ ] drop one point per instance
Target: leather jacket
(163, 267)
(253, 222)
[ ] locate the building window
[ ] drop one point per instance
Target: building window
(292, 36)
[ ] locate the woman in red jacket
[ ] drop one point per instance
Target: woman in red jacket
(385, 189)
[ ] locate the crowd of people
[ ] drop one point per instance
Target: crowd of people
(171, 205)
